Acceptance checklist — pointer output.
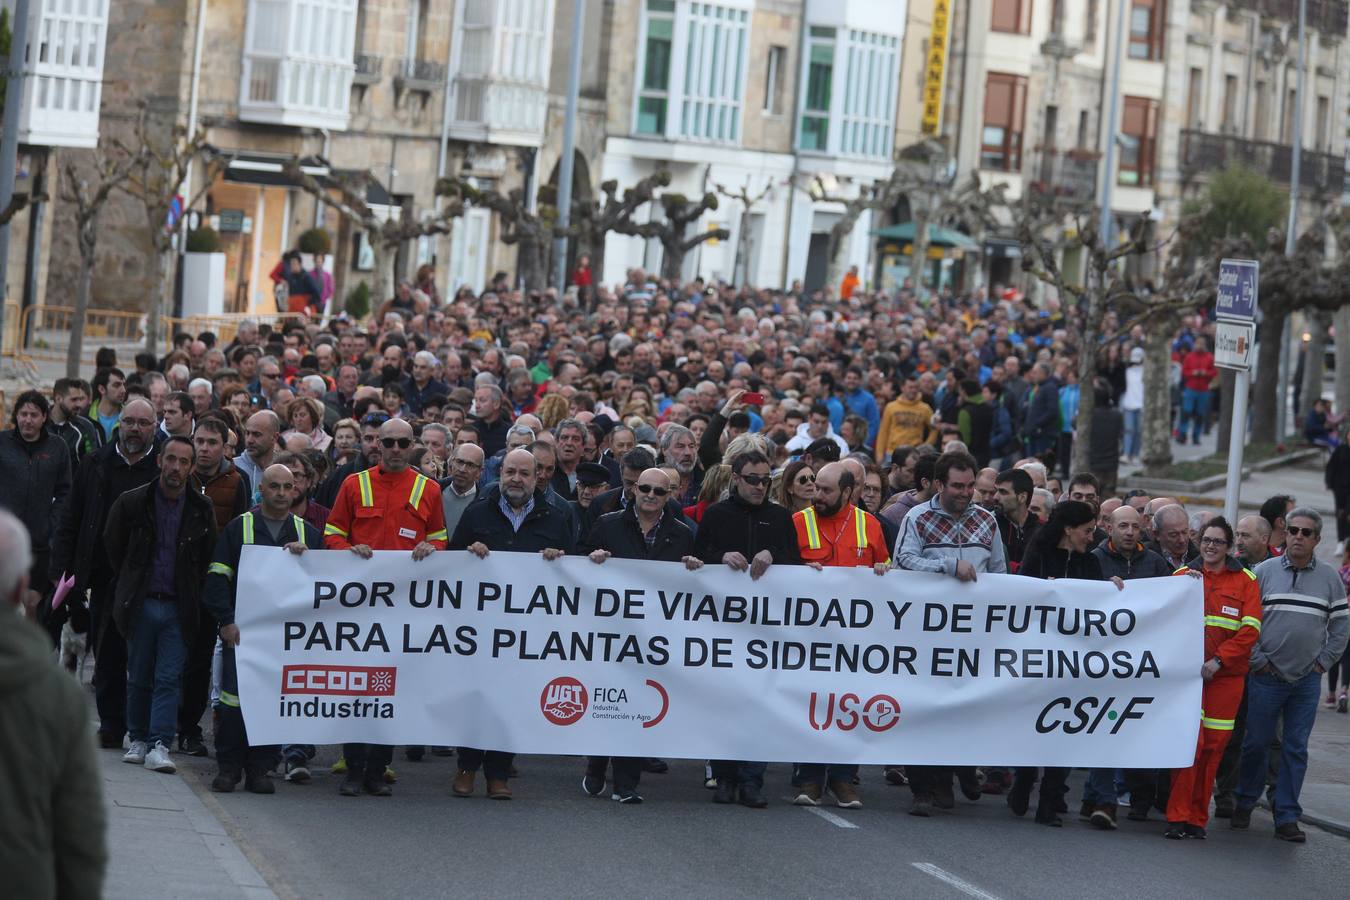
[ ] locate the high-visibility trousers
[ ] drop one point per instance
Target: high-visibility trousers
(1193, 786)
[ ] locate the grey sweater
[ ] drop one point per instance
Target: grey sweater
(1304, 618)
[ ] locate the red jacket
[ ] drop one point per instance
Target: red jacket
(1232, 615)
(1197, 370)
(386, 511)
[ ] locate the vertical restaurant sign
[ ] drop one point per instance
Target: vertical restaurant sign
(935, 67)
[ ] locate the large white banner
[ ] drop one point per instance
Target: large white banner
(648, 659)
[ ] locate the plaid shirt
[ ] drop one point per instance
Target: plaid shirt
(933, 540)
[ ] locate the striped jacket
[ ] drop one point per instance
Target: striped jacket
(1304, 618)
(386, 511)
(933, 540)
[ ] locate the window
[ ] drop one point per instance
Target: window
(1289, 105)
(819, 88)
(1146, 29)
(1057, 17)
(1138, 141)
(1013, 16)
(1005, 100)
(1083, 132)
(773, 81)
(1090, 23)
(1323, 124)
(1261, 119)
(1195, 98)
(1230, 93)
(654, 95)
(691, 71)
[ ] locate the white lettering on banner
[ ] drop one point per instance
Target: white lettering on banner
(648, 659)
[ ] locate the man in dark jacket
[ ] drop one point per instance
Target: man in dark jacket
(162, 536)
(645, 530)
(746, 531)
(631, 466)
(513, 515)
(1040, 430)
(70, 402)
(1122, 554)
(975, 421)
(34, 478)
(79, 550)
(368, 457)
(52, 819)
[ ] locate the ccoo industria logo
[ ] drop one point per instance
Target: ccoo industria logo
(367, 686)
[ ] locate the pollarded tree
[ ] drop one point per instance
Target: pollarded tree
(595, 217)
(531, 231)
(672, 230)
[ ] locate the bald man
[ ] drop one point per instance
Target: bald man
(260, 446)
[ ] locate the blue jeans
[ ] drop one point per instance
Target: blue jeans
(1268, 697)
(822, 774)
(156, 654)
(1100, 787)
(1194, 408)
(1134, 436)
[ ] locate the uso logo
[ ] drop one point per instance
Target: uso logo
(349, 681)
(880, 713)
(563, 700)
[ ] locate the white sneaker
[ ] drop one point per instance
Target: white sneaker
(158, 759)
(136, 755)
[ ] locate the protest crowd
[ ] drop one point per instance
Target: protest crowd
(701, 424)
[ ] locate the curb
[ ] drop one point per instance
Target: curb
(1212, 482)
(1335, 826)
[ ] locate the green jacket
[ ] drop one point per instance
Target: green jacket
(52, 821)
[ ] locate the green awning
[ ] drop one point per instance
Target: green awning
(937, 237)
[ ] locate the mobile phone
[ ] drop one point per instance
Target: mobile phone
(752, 398)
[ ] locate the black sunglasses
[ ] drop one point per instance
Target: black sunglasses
(652, 489)
(401, 443)
(1306, 532)
(756, 480)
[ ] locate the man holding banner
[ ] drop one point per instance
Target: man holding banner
(832, 531)
(272, 526)
(389, 507)
(645, 530)
(514, 515)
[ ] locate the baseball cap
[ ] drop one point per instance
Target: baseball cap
(592, 474)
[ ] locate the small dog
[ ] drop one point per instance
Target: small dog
(74, 650)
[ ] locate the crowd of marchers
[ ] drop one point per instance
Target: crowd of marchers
(698, 424)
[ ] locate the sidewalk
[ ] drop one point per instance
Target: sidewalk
(1326, 789)
(164, 842)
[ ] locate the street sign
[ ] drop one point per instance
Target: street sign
(1233, 345)
(1239, 280)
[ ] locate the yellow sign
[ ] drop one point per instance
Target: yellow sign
(935, 67)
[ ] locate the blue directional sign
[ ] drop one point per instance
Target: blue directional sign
(1239, 280)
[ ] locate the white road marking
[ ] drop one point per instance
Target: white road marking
(837, 821)
(960, 884)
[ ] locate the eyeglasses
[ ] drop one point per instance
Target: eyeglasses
(653, 489)
(756, 480)
(806, 479)
(468, 464)
(391, 443)
(150, 423)
(1295, 531)
(1213, 542)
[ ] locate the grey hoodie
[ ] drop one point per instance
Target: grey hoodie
(52, 821)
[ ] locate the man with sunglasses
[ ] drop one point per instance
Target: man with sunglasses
(647, 529)
(746, 532)
(1304, 626)
(368, 457)
(389, 507)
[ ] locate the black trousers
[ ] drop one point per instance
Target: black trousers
(496, 765)
(1053, 788)
(233, 751)
(367, 761)
(110, 662)
(627, 770)
(196, 690)
(923, 780)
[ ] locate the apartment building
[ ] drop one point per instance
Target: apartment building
(1203, 85)
(405, 89)
(798, 97)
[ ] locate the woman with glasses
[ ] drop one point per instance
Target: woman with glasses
(797, 488)
(1232, 626)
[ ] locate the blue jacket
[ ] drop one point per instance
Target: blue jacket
(862, 403)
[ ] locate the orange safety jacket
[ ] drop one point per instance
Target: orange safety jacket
(1232, 627)
(850, 537)
(386, 511)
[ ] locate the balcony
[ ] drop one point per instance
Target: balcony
(420, 76)
(1202, 152)
(1327, 17)
(298, 63)
(500, 56)
(61, 93)
(1065, 176)
(499, 112)
(368, 69)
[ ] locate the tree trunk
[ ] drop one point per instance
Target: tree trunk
(1157, 413)
(918, 264)
(1317, 324)
(75, 349)
(672, 259)
(1268, 376)
(834, 273)
(158, 293)
(530, 263)
(1342, 320)
(383, 286)
(1088, 348)
(742, 248)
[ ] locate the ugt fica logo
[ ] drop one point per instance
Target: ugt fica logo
(563, 700)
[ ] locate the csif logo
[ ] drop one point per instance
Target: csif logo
(563, 700)
(351, 681)
(879, 713)
(1088, 715)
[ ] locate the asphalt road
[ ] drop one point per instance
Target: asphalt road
(552, 840)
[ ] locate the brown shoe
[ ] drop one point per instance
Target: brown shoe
(1104, 817)
(498, 789)
(808, 795)
(463, 783)
(845, 794)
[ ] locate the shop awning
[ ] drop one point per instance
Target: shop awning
(937, 236)
(269, 169)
